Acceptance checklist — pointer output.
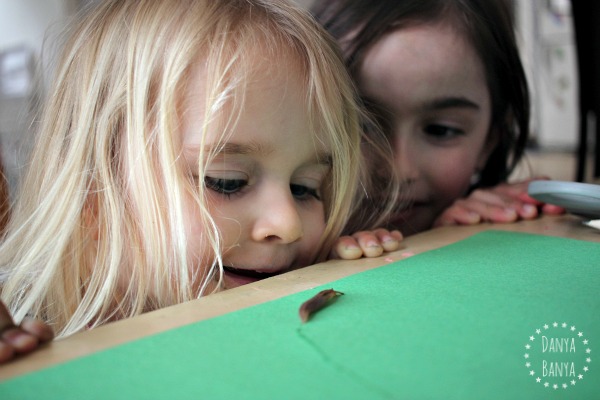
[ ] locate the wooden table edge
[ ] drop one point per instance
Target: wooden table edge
(116, 333)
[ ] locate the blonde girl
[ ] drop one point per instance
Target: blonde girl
(187, 146)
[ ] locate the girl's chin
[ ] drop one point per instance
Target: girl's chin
(232, 280)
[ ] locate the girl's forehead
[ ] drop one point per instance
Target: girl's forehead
(257, 64)
(422, 48)
(415, 65)
(261, 91)
(277, 69)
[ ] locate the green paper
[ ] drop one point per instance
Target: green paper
(451, 323)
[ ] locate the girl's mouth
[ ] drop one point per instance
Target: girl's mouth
(250, 273)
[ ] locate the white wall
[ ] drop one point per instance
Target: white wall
(25, 22)
(545, 28)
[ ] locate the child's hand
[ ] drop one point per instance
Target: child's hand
(21, 339)
(366, 244)
(508, 202)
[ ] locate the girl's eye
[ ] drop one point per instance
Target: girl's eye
(442, 131)
(224, 186)
(303, 192)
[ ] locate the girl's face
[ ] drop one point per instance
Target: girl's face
(264, 186)
(431, 85)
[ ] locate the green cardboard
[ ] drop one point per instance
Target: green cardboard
(459, 322)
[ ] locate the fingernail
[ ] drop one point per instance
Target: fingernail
(529, 209)
(17, 338)
(474, 217)
(389, 239)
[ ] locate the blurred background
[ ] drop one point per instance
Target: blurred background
(28, 29)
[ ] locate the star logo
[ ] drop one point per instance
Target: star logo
(558, 355)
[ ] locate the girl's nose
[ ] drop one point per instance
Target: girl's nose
(277, 218)
(406, 160)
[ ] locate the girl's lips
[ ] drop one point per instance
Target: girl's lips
(250, 273)
(237, 277)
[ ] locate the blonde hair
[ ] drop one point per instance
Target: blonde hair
(108, 144)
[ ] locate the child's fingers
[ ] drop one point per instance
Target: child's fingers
(512, 190)
(369, 243)
(19, 340)
(494, 213)
(496, 206)
(501, 204)
(389, 240)
(6, 320)
(7, 352)
(346, 248)
(366, 243)
(457, 215)
(470, 212)
(38, 329)
(551, 209)
(515, 193)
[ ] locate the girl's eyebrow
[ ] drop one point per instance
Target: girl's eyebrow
(244, 148)
(452, 102)
(325, 158)
(437, 104)
(322, 157)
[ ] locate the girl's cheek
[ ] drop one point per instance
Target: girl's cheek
(453, 181)
(315, 227)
